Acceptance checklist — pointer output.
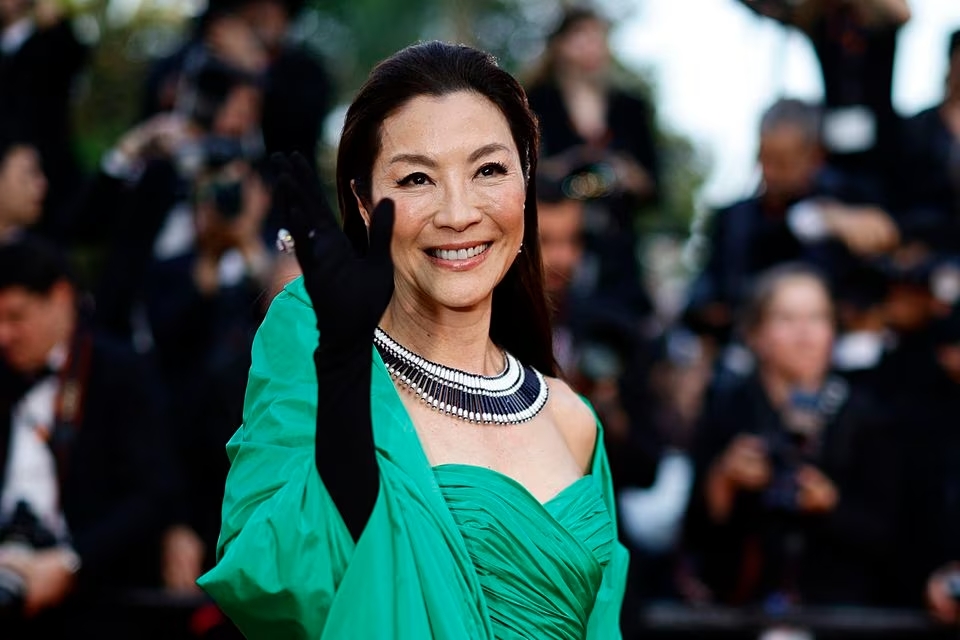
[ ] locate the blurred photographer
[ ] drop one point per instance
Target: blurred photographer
(802, 211)
(190, 226)
(797, 473)
(598, 343)
(189, 262)
(85, 484)
(855, 42)
(254, 35)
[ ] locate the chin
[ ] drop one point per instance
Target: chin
(460, 293)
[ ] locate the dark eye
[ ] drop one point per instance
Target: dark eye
(492, 169)
(418, 179)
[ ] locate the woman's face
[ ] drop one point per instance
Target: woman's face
(23, 187)
(583, 48)
(795, 338)
(452, 169)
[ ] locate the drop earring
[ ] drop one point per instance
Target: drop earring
(520, 250)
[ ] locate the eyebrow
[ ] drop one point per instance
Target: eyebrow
(414, 158)
(486, 150)
(417, 158)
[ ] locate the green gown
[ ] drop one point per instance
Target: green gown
(450, 552)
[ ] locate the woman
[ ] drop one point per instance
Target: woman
(597, 140)
(380, 512)
(798, 477)
(586, 120)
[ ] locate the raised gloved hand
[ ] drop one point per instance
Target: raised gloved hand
(349, 295)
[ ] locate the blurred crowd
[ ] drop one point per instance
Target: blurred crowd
(786, 440)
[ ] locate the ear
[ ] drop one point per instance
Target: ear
(364, 213)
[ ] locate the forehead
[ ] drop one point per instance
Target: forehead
(784, 134)
(17, 298)
(454, 123)
(798, 291)
(557, 217)
(19, 154)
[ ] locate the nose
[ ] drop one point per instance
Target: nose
(457, 210)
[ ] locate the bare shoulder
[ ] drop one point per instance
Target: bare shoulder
(575, 420)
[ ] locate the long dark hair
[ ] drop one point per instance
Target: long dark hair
(520, 322)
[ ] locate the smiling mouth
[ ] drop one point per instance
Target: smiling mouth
(458, 254)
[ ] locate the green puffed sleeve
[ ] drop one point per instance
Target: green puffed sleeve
(283, 547)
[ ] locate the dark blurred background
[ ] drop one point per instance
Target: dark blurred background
(750, 220)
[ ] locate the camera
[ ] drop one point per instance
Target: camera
(219, 166)
(591, 181)
(804, 418)
(22, 532)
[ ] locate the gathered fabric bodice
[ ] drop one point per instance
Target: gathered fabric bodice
(540, 566)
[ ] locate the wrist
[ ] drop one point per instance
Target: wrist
(255, 257)
(120, 163)
(809, 221)
(206, 273)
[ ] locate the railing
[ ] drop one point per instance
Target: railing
(671, 620)
(165, 616)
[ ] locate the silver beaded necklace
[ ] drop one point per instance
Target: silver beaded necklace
(514, 395)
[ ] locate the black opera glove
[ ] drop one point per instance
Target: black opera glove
(349, 295)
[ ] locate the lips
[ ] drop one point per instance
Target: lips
(459, 254)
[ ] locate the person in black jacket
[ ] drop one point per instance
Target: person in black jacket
(83, 460)
(797, 472)
(188, 257)
(597, 342)
(931, 528)
(802, 211)
(855, 42)
(928, 193)
(40, 59)
(599, 140)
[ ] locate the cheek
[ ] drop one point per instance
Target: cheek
(407, 227)
(507, 208)
(824, 339)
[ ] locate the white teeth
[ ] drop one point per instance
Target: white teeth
(459, 254)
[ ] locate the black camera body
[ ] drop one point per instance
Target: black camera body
(786, 452)
(22, 532)
(210, 160)
(804, 419)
